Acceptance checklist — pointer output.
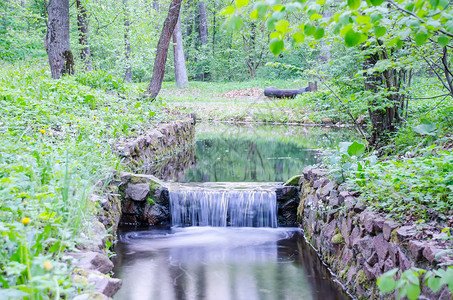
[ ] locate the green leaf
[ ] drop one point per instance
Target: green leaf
(319, 33)
(434, 283)
(425, 129)
(443, 40)
(380, 31)
(235, 23)
(377, 2)
(420, 38)
(309, 29)
(228, 10)
(386, 284)
(282, 26)
(354, 4)
(363, 19)
(241, 3)
(355, 149)
(434, 3)
(352, 38)
(276, 46)
(298, 37)
(412, 291)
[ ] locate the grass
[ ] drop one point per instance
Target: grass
(57, 138)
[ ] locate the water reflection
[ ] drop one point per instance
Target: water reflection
(258, 153)
(220, 263)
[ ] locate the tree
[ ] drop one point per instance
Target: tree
(203, 23)
(57, 45)
(82, 24)
(181, 78)
(162, 48)
(381, 27)
(127, 44)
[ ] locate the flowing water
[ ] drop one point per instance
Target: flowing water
(224, 242)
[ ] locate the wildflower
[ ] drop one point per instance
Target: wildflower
(26, 220)
(47, 265)
(28, 148)
(94, 117)
(99, 145)
(42, 131)
(50, 133)
(77, 121)
(25, 204)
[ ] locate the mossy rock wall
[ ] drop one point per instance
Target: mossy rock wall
(358, 244)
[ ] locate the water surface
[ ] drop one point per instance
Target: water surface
(220, 264)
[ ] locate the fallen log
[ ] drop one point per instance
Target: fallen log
(289, 93)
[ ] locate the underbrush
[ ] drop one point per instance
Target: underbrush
(57, 138)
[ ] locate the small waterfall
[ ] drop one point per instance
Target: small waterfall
(220, 208)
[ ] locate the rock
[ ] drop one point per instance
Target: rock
(388, 227)
(368, 219)
(416, 248)
(350, 202)
(327, 121)
(360, 206)
(156, 214)
(362, 119)
(137, 192)
(381, 246)
(373, 259)
(388, 265)
(378, 224)
(327, 189)
(92, 261)
(104, 284)
(315, 174)
(307, 172)
(289, 212)
(354, 237)
(406, 232)
(366, 246)
(430, 251)
(394, 252)
(293, 181)
(320, 182)
(347, 257)
(284, 193)
(405, 264)
(371, 272)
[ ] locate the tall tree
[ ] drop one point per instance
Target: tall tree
(181, 78)
(82, 24)
(127, 43)
(203, 23)
(162, 48)
(57, 45)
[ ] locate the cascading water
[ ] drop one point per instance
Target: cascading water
(192, 206)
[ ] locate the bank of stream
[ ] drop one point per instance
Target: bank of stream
(210, 250)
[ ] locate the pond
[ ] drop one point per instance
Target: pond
(230, 184)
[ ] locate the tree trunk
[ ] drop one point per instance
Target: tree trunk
(203, 23)
(57, 45)
(127, 44)
(180, 63)
(162, 48)
(156, 5)
(82, 24)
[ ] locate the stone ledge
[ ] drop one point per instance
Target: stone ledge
(359, 244)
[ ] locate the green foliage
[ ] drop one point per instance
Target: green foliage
(57, 137)
(409, 283)
(101, 80)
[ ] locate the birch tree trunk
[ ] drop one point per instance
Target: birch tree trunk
(82, 24)
(180, 63)
(57, 45)
(203, 23)
(162, 48)
(127, 44)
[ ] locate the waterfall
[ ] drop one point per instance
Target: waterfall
(220, 208)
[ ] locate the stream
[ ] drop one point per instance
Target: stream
(224, 242)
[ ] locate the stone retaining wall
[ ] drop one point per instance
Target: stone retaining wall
(92, 264)
(358, 244)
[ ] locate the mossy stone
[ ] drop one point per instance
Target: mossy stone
(337, 239)
(293, 181)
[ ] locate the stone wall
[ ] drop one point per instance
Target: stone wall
(128, 196)
(157, 143)
(359, 244)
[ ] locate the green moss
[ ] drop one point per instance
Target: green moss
(150, 201)
(394, 236)
(293, 181)
(362, 279)
(337, 230)
(337, 239)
